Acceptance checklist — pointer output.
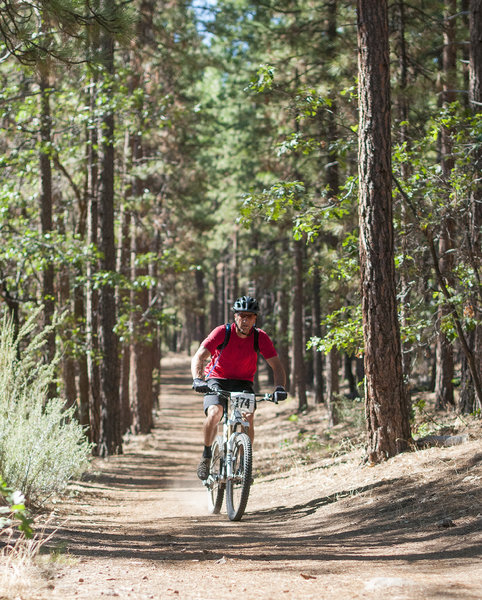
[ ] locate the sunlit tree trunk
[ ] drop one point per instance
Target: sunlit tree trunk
(48, 291)
(386, 406)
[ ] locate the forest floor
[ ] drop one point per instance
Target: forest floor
(320, 524)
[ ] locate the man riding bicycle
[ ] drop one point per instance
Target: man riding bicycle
(232, 352)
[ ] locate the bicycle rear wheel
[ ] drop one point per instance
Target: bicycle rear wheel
(216, 488)
(237, 488)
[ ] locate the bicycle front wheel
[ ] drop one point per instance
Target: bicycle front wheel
(237, 487)
(216, 488)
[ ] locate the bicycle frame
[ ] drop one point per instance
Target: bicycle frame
(232, 423)
(231, 465)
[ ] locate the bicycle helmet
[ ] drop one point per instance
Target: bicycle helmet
(246, 304)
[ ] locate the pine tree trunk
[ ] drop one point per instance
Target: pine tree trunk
(124, 267)
(317, 356)
(155, 345)
(298, 329)
(471, 394)
(92, 300)
(83, 369)
(110, 438)
(48, 291)
(386, 406)
(283, 325)
(68, 363)
(444, 389)
(333, 386)
(403, 115)
(201, 303)
(140, 373)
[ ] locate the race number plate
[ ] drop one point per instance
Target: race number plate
(246, 402)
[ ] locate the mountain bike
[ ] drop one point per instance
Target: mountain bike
(232, 455)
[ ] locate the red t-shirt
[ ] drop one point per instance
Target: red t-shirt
(237, 360)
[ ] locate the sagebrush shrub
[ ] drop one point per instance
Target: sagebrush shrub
(42, 445)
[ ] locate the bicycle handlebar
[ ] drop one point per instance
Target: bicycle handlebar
(259, 397)
(226, 395)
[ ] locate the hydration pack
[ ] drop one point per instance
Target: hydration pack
(227, 334)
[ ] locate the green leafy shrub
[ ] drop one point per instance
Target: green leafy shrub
(42, 446)
(14, 512)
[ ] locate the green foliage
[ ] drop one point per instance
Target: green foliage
(263, 80)
(14, 512)
(273, 203)
(42, 446)
(343, 331)
(38, 31)
(436, 200)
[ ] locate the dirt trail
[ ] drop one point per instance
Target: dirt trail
(138, 527)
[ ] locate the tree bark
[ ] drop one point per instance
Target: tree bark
(83, 369)
(403, 115)
(316, 332)
(110, 437)
(92, 297)
(124, 268)
(444, 374)
(154, 301)
(386, 406)
(333, 386)
(141, 363)
(69, 364)
(298, 329)
(283, 326)
(471, 394)
(48, 291)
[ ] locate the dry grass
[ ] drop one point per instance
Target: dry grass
(22, 571)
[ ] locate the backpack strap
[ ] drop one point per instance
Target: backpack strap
(256, 339)
(227, 335)
(221, 347)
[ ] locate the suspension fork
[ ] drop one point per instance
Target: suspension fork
(230, 433)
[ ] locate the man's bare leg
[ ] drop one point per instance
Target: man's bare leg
(210, 427)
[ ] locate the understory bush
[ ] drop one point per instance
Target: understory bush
(12, 510)
(42, 445)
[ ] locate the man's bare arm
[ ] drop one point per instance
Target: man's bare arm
(198, 362)
(279, 374)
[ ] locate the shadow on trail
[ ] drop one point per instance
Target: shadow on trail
(209, 539)
(387, 514)
(381, 527)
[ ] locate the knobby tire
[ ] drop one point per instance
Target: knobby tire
(216, 489)
(237, 489)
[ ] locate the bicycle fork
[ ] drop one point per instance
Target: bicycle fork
(230, 435)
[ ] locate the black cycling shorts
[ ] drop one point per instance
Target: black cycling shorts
(228, 385)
